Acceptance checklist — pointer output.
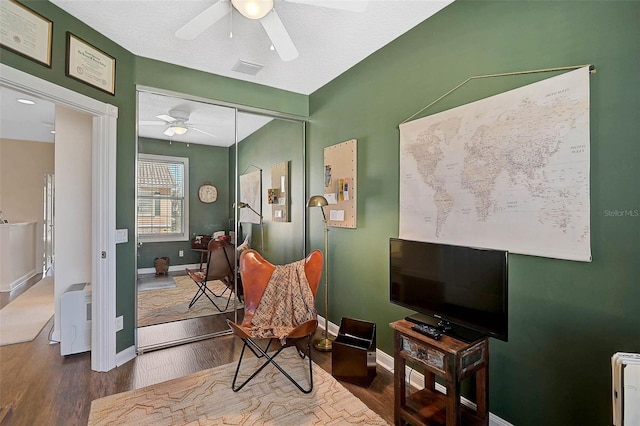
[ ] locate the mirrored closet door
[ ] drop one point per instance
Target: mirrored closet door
(194, 161)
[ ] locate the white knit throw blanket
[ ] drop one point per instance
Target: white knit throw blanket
(286, 303)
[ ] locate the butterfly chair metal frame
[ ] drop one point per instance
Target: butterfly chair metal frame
(220, 260)
(256, 273)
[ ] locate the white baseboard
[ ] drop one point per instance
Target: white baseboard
(18, 282)
(416, 379)
(125, 356)
(172, 268)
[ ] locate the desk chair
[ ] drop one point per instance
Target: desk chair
(220, 261)
(256, 273)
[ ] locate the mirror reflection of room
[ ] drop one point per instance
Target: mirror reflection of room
(190, 224)
(182, 204)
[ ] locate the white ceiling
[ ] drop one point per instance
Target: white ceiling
(25, 122)
(329, 42)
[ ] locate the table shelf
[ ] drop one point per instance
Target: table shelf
(448, 358)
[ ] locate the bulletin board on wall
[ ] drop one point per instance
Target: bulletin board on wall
(340, 184)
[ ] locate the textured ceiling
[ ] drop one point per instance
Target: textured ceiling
(329, 41)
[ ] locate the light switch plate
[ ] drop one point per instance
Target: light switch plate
(122, 236)
(119, 323)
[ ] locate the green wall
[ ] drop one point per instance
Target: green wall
(124, 99)
(206, 164)
(278, 141)
(566, 318)
(159, 74)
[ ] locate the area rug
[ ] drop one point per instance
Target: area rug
(172, 304)
(23, 318)
(206, 398)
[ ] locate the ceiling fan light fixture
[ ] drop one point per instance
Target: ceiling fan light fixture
(253, 9)
(179, 130)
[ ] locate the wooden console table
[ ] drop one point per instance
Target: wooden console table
(448, 358)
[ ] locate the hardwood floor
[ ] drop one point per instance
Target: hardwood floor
(40, 387)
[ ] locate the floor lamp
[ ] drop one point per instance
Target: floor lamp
(323, 344)
(243, 205)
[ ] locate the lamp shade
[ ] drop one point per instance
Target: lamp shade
(253, 9)
(317, 201)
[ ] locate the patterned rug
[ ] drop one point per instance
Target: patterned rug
(206, 398)
(172, 304)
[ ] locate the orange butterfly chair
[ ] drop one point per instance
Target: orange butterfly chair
(220, 266)
(256, 273)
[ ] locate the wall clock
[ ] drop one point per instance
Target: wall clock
(207, 193)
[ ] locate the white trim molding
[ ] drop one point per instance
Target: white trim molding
(103, 241)
(172, 268)
(414, 378)
(125, 355)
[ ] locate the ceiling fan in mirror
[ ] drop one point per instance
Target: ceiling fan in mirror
(264, 11)
(177, 122)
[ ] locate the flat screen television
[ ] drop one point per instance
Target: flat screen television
(461, 290)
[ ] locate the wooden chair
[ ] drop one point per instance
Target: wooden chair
(256, 273)
(220, 266)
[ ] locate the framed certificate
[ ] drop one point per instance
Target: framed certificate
(90, 65)
(25, 32)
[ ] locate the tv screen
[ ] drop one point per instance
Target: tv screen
(464, 286)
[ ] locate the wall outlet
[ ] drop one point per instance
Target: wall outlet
(119, 323)
(181, 253)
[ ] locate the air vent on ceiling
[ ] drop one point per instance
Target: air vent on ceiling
(247, 67)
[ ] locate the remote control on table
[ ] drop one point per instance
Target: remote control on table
(427, 330)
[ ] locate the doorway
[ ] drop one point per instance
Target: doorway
(103, 150)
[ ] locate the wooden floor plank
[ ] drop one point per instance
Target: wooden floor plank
(40, 387)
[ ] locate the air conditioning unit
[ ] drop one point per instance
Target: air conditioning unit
(625, 371)
(75, 319)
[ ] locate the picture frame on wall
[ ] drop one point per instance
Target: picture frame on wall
(90, 65)
(26, 32)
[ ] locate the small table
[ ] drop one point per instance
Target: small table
(203, 253)
(449, 358)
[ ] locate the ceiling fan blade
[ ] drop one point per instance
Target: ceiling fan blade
(152, 123)
(200, 23)
(167, 118)
(203, 132)
(169, 132)
(279, 36)
(348, 5)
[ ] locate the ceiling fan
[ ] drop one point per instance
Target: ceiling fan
(264, 11)
(177, 123)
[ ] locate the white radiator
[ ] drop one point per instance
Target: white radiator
(625, 371)
(75, 319)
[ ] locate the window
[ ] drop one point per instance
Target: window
(163, 201)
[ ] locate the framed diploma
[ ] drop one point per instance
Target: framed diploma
(90, 65)
(25, 32)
